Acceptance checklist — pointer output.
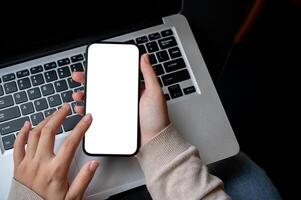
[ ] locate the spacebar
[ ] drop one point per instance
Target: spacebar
(12, 126)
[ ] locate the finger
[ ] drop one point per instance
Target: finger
(78, 96)
(19, 145)
(68, 148)
(48, 132)
(33, 138)
(149, 75)
(78, 77)
(80, 110)
(82, 180)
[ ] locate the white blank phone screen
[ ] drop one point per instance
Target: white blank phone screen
(112, 99)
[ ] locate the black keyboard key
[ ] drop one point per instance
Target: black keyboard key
(34, 93)
(60, 85)
(79, 89)
(54, 100)
(152, 59)
(72, 83)
(166, 33)
(50, 76)
(162, 56)
(154, 36)
(22, 73)
(9, 113)
(142, 49)
(77, 67)
(70, 122)
(20, 97)
(158, 69)
(167, 97)
(26, 108)
(40, 104)
(36, 69)
(49, 112)
(63, 72)
(36, 118)
(67, 96)
(77, 58)
(8, 77)
(6, 101)
(175, 91)
(175, 77)
(10, 87)
(12, 126)
(8, 141)
(174, 52)
(37, 79)
(160, 82)
(174, 65)
(152, 47)
(167, 42)
(64, 61)
(189, 90)
(50, 65)
(1, 90)
(141, 40)
(73, 105)
(24, 83)
(47, 89)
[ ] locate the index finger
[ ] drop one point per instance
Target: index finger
(46, 143)
(68, 148)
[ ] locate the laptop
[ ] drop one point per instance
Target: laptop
(41, 46)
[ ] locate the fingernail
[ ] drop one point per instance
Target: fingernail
(93, 165)
(26, 123)
(66, 105)
(87, 118)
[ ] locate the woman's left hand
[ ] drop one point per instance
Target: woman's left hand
(38, 168)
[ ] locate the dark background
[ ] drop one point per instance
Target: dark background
(257, 80)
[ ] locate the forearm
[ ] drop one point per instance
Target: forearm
(173, 169)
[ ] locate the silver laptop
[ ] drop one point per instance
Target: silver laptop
(33, 84)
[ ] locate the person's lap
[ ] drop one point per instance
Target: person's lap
(243, 179)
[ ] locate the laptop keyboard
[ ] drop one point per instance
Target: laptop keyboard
(168, 63)
(35, 93)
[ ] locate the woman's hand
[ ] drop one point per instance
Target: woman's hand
(38, 168)
(153, 110)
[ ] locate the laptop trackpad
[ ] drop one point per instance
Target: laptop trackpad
(114, 175)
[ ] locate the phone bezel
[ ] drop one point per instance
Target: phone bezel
(138, 117)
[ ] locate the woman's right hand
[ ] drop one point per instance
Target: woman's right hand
(153, 109)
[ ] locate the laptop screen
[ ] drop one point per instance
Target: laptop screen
(28, 28)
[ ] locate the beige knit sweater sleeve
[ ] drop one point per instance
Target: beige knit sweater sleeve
(173, 170)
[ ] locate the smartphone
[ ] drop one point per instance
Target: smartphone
(112, 97)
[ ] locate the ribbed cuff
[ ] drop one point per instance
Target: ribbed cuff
(162, 149)
(21, 192)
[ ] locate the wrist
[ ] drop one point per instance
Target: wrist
(161, 149)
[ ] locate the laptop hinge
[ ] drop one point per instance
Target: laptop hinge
(79, 42)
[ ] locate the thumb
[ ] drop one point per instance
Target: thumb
(149, 75)
(82, 180)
